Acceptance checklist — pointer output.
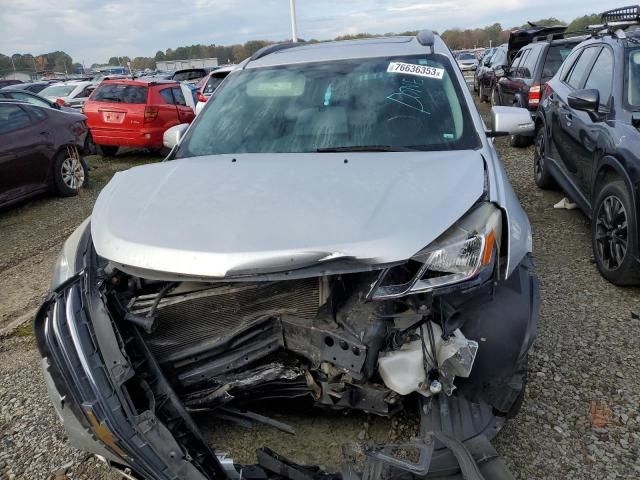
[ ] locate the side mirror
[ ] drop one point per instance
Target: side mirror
(173, 135)
(585, 100)
(500, 71)
(510, 121)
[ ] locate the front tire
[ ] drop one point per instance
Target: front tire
(70, 173)
(481, 94)
(495, 97)
(519, 141)
(540, 172)
(614, 235)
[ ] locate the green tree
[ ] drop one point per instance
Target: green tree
(581, 23)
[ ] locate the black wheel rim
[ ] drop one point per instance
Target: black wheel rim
(538, 157)
(611, 232)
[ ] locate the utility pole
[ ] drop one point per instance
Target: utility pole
(13, 64)
(294, 32)
(490, 42)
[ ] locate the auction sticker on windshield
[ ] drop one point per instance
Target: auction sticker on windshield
(419, 70)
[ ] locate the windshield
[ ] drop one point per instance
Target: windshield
(58, 91)
(399, 103)
(466, 56)
(633, 77)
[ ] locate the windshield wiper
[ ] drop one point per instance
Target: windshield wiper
(366, 148)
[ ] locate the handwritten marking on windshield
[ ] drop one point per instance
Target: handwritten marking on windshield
(409, 95)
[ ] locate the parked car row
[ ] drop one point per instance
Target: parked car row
(583, 93)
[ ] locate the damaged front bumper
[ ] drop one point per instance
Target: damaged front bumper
(115, 401)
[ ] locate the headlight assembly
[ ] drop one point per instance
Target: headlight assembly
(65, 266)
(464, 252)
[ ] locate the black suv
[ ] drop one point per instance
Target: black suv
(540, 52)
(587, 140)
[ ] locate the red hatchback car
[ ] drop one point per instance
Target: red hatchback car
(135, 113)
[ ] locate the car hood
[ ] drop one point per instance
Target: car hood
(224, 216)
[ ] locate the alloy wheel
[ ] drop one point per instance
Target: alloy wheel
(611, 232)
(72, 173)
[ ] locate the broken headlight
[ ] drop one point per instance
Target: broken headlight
(464, 252)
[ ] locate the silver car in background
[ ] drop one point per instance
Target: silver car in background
(334, 229)
(466, 61)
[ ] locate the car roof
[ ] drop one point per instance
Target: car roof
(347, 49)
(139, 82)
(21, 86)
(75, 83)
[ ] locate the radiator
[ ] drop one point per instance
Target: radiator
(185, 320)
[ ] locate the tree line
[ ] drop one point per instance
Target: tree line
(48, 62)
(455, 38)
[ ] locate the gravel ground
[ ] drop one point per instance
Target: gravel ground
(580, 418)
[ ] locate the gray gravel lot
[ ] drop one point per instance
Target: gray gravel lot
(580, 418)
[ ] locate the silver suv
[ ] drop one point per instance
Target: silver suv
(335, 228)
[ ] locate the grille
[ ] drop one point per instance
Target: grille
(187, 320)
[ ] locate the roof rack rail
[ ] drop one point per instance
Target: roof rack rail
(426, 38)
(615, 21)
(622, 14)
(269, 49)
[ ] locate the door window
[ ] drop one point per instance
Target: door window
(178, 96)
(86, 92)
(12, 118)
(528, 64)
(167, 96)
(513, 69)
(30, 98)
(601, 76)
(577, 73)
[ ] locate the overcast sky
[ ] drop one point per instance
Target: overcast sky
(94, 30)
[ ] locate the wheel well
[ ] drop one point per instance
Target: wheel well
(539, 124)
(605, 175)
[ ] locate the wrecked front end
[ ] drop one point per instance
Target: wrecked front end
(133, 365)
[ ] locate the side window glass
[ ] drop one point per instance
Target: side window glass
(528, 64)
(178, 96)
(13, 118)
(31, 99)
(166, 94)
(579, 69)
(601, 76)
(568, 63)
(38, 112)
(85, 93)
(513, 69)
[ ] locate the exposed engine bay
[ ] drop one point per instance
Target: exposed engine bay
(240, 343)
